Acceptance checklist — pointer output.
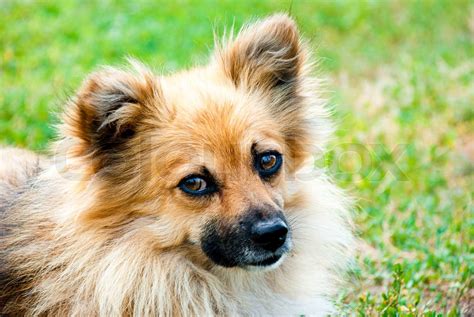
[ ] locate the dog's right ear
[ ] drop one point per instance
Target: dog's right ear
(105, 113)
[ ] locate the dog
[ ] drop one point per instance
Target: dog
(191, 194)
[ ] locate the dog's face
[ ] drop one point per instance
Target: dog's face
(199, 160)
(227, 169)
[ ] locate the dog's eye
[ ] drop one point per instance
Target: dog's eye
(196, 185)
(268, 163)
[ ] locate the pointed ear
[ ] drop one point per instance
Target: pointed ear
(106, 110)
(264, 55)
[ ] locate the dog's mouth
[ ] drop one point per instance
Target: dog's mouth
(267, 262)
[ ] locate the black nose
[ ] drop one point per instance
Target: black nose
(269, 234)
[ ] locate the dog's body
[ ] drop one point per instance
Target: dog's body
(180, 196)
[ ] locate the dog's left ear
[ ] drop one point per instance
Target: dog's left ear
(267, 55)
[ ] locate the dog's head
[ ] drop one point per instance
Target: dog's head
(201, 159)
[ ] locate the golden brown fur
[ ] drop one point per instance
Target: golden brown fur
(103, 230)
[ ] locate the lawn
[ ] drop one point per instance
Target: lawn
(400, 78)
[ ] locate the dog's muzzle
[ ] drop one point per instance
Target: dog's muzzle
(260, 238)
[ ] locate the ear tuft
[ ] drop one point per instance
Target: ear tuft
(264, 55)
(107, 108)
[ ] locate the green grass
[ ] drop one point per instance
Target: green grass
(401, 81)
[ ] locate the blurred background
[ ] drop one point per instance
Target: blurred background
(400, 81)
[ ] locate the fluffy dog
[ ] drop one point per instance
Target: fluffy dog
(180, 195)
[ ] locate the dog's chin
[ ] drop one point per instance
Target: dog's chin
(265, 265)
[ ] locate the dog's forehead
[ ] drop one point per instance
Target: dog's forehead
(213, 121)
(212, 109)
(220, 132)
(192, 90)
